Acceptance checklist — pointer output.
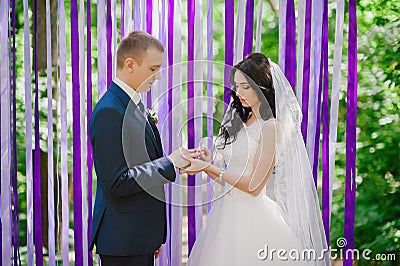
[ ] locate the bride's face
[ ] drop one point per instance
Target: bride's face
(247, 95)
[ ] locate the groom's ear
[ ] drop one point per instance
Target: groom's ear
(130, 64)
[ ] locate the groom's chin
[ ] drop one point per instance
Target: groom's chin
(144, 89)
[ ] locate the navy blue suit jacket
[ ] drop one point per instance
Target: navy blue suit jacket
(129, 211)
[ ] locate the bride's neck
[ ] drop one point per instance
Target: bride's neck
(255, 110)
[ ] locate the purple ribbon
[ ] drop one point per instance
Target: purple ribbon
(325, 121)
(36, 183)
(77, 186)
(351, 123)
(149, 26)
(248, 40)
(229, 37)
(14, 133)
(290, 46)
(306, 70)
(109, 44)
(191, 133)
(89, 113)
(149, 14)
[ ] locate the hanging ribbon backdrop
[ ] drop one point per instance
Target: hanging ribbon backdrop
(303, 55)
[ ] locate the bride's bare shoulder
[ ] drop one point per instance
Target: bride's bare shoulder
(271, 127)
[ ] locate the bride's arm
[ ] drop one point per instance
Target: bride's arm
(263, 166)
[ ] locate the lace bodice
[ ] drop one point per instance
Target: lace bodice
(239, 156)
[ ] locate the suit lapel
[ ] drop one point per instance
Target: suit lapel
(156, 135)
(131, 107)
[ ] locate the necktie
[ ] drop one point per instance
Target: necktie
(142, 109)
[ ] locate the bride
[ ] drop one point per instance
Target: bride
(269, 211)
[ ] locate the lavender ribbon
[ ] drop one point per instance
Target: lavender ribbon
(5, 132)
(282, 33)
(314, 95)
(171, 11)
(28, 115)
(36, 185)
(50, 177)
(325, 134)
(317, 129)
(210, 126)
(122, 23)
(101, 49)
(229, 35)
(290, 45)
(351, 123)
(136, 17)
(64, 135)
(77, 185)
(248, 39)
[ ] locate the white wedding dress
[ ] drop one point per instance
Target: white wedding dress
(239, 225)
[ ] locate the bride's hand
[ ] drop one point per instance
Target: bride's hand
(202, 153)
(196, 165)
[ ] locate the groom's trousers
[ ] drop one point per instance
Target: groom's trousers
(140, 260)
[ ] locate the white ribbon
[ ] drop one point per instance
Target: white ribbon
(259, 25)
(176, 196)
(128, 19)
(300, 52)
(239, 32)
(198, 104)
(64, 135)
(337, 62)
(114, 36)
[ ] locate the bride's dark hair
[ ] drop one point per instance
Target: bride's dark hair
(257, 70)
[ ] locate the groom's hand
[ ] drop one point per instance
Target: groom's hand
(158, 252)
(179, 158)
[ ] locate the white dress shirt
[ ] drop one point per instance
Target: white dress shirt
(135, 97)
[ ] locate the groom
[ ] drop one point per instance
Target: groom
(129, 223)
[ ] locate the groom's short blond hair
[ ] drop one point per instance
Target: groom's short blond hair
(134, 45)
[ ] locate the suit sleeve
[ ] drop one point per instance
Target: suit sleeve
(112, 170)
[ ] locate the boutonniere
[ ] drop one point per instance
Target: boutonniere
(153, 115)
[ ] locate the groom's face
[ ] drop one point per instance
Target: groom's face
(148, 71)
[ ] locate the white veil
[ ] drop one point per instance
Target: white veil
(294, 189)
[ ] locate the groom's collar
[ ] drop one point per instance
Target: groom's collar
(135, 97)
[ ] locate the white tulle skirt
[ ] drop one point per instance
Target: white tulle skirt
(243, 230)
